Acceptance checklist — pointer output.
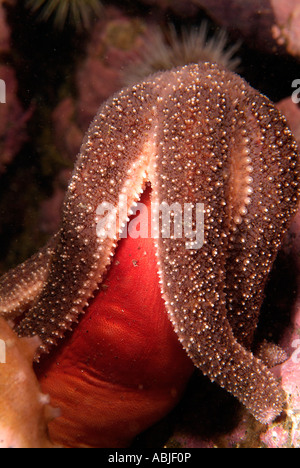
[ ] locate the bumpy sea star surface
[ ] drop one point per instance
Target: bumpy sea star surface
(198, 134)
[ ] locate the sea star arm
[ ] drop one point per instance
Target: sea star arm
(113, 161)
(195, 282)
(270, 172)
(181, 131)
(20, 287)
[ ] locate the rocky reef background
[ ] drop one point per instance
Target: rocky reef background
(57, 78)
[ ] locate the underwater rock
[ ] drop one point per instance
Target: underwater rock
(113, 43)
(286, 29)
(4, 31)
(184, 8)
(13, 119)
(25, 413)
(268, 25)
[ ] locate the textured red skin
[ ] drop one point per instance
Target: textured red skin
(123, 368)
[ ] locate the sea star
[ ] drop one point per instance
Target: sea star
(198, 134)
